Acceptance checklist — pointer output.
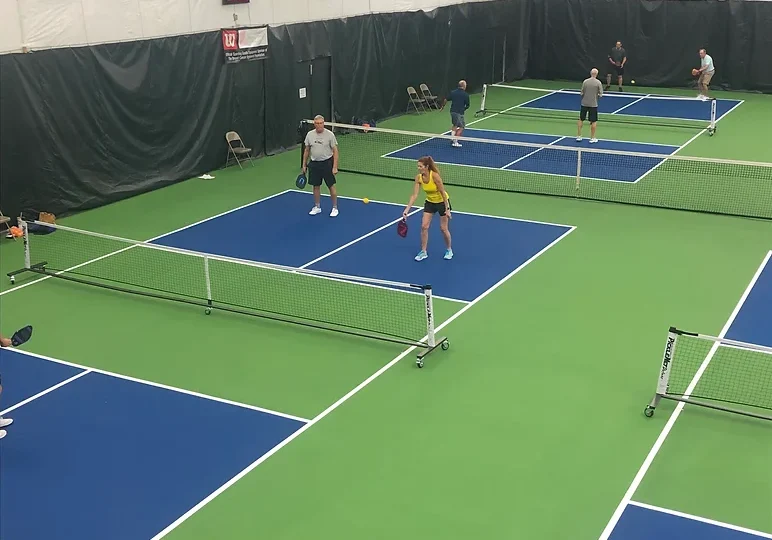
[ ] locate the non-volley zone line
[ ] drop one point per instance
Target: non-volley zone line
(80, 370)
(353, 392)
(606, 160)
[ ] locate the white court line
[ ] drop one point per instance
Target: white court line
(515, 171)
(567, 136)
(44, 392)
(491, 216)
(629, 104)
(677, 411)
(532, 153)
(156, 385)
(664, 158)
(16, 288)
(344, 246)
(701, 519)
(343, 399)
(730, 110)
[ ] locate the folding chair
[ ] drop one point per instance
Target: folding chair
(5, 220)
(236, 147)
(429, 97)
(415, 100)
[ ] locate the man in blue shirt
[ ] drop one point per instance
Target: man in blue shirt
(460, 103)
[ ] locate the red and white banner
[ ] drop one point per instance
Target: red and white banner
(245, 44)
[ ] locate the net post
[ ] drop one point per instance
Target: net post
(484, 98)
(25, 231)
(429, 316)
(578, 168)
(664, 372)
(713, 107)
(208, 284)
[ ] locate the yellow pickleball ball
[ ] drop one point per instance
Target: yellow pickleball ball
(366, 200)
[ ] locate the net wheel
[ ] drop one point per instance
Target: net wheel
(445, 345)
(208, 311)
(419, 363)
(648, 412)
(13, 279)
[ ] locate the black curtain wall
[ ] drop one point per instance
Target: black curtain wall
(83, 127)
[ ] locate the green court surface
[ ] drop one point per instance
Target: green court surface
(530, 426)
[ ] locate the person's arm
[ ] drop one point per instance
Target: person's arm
(305, 157)
(624, 60)
(413, 197)
(5, 342)
(335, 158)
(441, 189)
(467, 102)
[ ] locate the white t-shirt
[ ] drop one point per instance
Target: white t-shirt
(321, 144)
(708, 61)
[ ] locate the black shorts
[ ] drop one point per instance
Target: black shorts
(618, 70)
(592, 111)
(436, 207)
(321, 170)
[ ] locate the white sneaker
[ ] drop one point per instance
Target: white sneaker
(578, 139)
(3, 433)
(315, 210)
(334, 212)
(5, 422)
(593, 140)
(457, 144)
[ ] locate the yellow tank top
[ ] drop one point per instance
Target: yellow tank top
(433, 195)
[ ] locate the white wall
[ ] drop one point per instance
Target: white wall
(44, 24)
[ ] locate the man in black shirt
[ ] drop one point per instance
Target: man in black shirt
(617, 59)
(460, 103)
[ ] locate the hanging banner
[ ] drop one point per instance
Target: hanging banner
(245, 44)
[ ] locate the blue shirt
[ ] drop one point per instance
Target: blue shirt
(460, 101)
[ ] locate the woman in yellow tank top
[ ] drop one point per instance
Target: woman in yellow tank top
(437, 202)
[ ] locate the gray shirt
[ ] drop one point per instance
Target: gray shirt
(321, 144)
(592, 89)
(617, 55)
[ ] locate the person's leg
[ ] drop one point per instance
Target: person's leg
(4, 421)
(425, 224)
(426, 221)
(444, 227)
(619, 81)
(593, 126)
(608, 80)
(330, 180)
(579, 125)
(706, 83)
(593, 117)
(315, 180)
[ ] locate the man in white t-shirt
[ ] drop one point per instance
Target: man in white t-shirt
(322, 146)
(707, 69)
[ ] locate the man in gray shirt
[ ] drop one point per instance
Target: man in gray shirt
(592, 91)
(322, 146)
(617, 59)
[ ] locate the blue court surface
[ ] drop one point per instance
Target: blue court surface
(611, 166)
(643, 105)
(96, 455)
(639, 521)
